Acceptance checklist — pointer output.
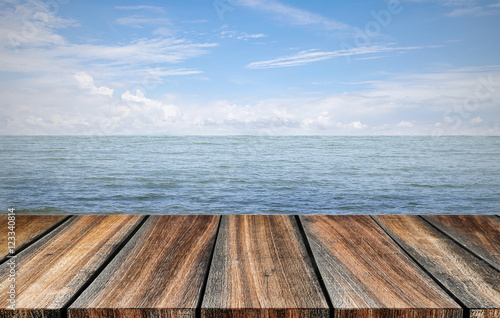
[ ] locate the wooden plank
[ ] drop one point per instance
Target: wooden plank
(479, 233)
(471, 281)
(261, 269)
(53, 269)
(28, 228)
(159, 273)
(368, 275)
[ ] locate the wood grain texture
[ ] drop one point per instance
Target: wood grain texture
(53, 269)
(471, 281)
(368, 275)
(28, 228)
(261, 269)
(479, 233)
(159, 273)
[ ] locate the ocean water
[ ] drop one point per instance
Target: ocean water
(249, 175)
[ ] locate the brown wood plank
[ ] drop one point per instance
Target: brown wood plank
(261, 269)
(368, 275)
(471, 281)
(53, 269)
(479, 233)
(159, 273)
(28, 228)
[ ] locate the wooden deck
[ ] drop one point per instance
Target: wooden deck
(253, 266)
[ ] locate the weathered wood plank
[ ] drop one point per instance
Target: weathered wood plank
(159, 273)
(261, 269)
(479, 233)
(471, 281)
(53, 269)
(368, 275)
(28, 228)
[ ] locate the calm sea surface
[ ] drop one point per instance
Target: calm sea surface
(250, 175)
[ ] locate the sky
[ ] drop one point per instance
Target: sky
(253, 67)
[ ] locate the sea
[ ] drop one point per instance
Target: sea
(250, 174)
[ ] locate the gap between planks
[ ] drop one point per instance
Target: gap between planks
(53, 268)
(473, 249)
(207, 271)
(367, 274)
(314, 264)
(26, 237)
(103, 266)
(466, 313)
(474, 284)
(159, 272)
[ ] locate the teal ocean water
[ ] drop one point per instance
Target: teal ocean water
(249, 175)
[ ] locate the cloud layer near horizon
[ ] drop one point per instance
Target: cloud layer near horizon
(405, 101)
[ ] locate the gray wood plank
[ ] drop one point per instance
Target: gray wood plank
(159, 273)
(28, 228)
(474, 283)
(368, 275)
(479, 233)
(52, 270)
(261, 269)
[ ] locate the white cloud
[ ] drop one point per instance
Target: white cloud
(464, 11)
(476, 120)
(295, 15)
(138, 97)
(241, 35)
(447, 2)
(405, 124)
(370, 58)
(301, 58)
(434, 100)
(145, 110)
(86, 82)
(30, 41)
(49, 74)
(29, 25)
(471, 8)
(356, 125)
(309, 56)
(114, 60)
(137, 21)
(495, 5)
(448, 120)
(475, 11)
(146, 51)
(140, 7)
(466, 7)
(161, 72)
(163, 32)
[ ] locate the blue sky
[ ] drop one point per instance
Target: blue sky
(260, 67)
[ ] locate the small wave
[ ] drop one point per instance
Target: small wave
(42, 210)
(147, 197)
(417, 185)
(114, 185)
